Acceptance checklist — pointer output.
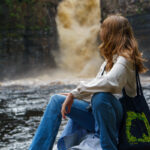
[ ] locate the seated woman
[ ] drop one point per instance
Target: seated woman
(120, 51)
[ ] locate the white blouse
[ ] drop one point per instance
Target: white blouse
(121, 75)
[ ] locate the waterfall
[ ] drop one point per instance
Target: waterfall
(78, 24)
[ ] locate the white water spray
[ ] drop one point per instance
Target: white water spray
(78, 24)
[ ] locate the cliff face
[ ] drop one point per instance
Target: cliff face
(125, 7)
(28, 35)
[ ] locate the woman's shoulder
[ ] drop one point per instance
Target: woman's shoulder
(118, 59)
(124, 61)
(121, 59)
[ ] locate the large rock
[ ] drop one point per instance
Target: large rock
(125, 7)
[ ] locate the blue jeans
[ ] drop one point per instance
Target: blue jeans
(104, 119)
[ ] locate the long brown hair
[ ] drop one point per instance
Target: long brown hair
(118, 38)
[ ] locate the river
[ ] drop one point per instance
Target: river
(22, 106)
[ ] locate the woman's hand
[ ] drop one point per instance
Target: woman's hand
(67, 103)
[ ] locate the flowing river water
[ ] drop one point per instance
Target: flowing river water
(22, 106)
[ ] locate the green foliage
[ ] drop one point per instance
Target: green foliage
(1, 9)
(24, 14)
(20, 26)
(9, 2)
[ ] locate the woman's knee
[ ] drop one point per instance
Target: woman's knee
(101, 101)
(57, 99)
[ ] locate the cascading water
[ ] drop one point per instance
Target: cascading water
(78, 24)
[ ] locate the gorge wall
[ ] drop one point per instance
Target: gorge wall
(28, 35)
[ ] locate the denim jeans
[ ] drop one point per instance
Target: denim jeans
(104, 120)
